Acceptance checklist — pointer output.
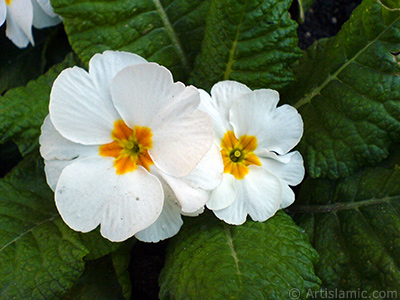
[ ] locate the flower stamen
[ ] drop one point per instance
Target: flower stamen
(129, 148)
(237, 154)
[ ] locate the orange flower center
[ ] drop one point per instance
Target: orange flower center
(237, 154)
(129, 148)
(8, 2)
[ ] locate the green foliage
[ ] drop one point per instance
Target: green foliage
(121, 258)
(23, 109)
(212, 260)
(348, 93)
(40, 256)
(168, 32)
(354, 224)
(247, 41)
(347, 90)
(98, 282)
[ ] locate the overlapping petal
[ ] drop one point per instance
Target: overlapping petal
(145, 95)
(103, 68)
(59, 152)
(43, 15)
(276, 129)
(223, 94)
(192, 191)
(53, 146)
(90, 193)
(168, 223)
(224, 195)
(288, 167)
(259, 195)
(79, 111)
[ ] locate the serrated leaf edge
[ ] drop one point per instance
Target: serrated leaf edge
(317, 90)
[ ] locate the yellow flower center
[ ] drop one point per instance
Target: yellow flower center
(129, 148)
(8, 2)
(237, 154)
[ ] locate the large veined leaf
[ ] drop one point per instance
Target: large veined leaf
(348, 93)
(40, 257)
(212, 260)
(354, 224)
(168, 32)
(254, 42)
(23, 109)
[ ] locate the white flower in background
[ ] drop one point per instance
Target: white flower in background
(127, 148)
(22, 14)
(255, 138)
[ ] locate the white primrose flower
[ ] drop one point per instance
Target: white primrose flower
(22, 14)
(127, 148)
(255, 138)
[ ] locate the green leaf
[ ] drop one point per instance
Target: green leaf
(348, 93)
(19, 66)
(121, 259)
(23, 109)
(253, 42)
(166, 31)
(212, 260)
(98, 282)
(40, 256)
(354, 224)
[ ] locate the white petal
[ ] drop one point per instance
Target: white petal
(89, 192)
(235, 213)
(79, 111)
(19, 22)
(46, 6)
(259, 195)
(103, 68)
(262, 193)
(146, 95)
(219, 118)
(179, 145)
(224, 195)
(225, 93)
(255, 114)
(168, 223)
(53, 170)
(59, 152)
(41, 19)
(53, 146)
(190, 198)
(288, 167)
(3, 12)
(287, 195)
(208, 173)
(193, 214)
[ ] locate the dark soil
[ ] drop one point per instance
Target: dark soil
(324, 19)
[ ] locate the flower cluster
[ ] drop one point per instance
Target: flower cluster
(22, 14)
(129, 149)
